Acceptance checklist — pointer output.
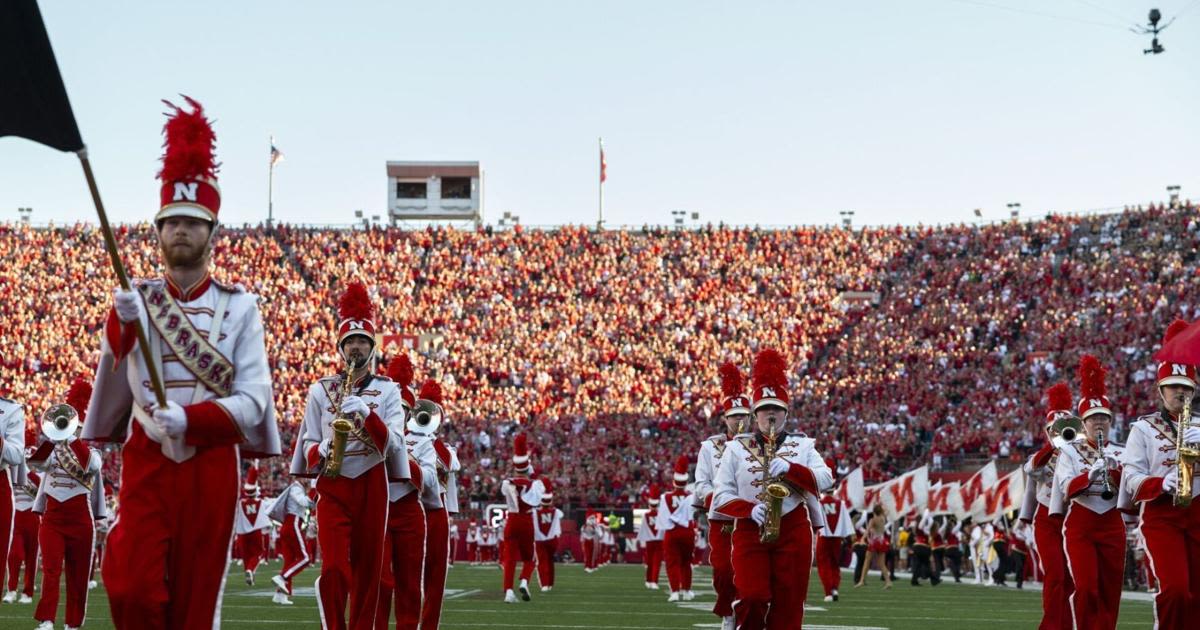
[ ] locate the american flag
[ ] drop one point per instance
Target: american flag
(276, 154)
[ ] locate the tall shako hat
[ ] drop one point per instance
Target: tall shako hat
(1092, 389)
(681, 471)
(1058, 402)
(400, 370)
(1176, 373)
(356, 314)
(733, 390)
(770, 380)
(520, 457)
(189, 169)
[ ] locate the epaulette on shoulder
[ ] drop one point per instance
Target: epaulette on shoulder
(230, 287)
(716, 438)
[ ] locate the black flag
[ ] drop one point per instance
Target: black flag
(34, 104)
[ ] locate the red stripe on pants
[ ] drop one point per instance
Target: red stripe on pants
(169, 547)
(1095, 546)
(403, 570)
(24, 549)
(351, 520)
(7, 516)
(66, 537)
(1057, 585)
(295, 552)
(437, 552)
(772, 579)
(678, 544)
(720, 556)
(654, 558)
(829, 563)
(518, 544)
(545, 561)
(1173, 545)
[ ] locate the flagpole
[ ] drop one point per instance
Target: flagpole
(600, 217)
(110, 243)
(271, 186)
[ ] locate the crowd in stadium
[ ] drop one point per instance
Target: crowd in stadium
(605, 345)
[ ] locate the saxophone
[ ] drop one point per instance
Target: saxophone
(1186, 456)
(342, 427)
(774, 491)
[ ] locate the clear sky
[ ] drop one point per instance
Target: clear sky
(760, 111)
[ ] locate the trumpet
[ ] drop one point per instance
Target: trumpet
(342, 427)
(1186, 455)
(1107, 493)
(774, 494)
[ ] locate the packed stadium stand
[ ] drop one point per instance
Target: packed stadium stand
(605, 345)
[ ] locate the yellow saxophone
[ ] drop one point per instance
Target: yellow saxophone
(1186, 456)
(342, 428)
(774, 491)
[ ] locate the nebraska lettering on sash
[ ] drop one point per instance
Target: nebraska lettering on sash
(193, 349)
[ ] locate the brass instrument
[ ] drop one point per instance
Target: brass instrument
(1107, 493)
(342, 427)
(775, 492)
(1068, 427)
(1186, 457)
(59, 423)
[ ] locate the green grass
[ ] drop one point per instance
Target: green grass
(615, 597)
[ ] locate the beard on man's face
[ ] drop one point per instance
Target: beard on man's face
(183, 254)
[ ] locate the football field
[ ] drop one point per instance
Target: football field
(615, 597)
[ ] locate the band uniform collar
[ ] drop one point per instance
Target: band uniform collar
(190, 293)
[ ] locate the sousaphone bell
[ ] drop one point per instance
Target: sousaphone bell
(1067, 428)
(60, 422)
(426, 417)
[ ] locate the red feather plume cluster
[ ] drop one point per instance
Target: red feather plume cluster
(431, 391)
(732, 383)
(189, 144)
(1058, 397)
(355, 303)
(1175, 328)
(1091, 377)
(521, 445)
(770, 370)
(79, 395)
(401, 370)
(681, 465)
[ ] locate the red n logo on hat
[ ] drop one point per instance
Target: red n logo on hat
(767, 392)
(185, 191)
(355, 323)
(1095, 402)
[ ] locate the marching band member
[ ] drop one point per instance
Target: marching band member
(522, 495)
(829, 543)
(488, 544)
(651, 539)
(12, 468)
(1086, 476)
(439, 496)
(1047, 528)
(734, 411)
(353, 466)
(1170, 521)
(289, 510)
(675, 522)
(453, 540)
(26, 523)
(588, 537)
(473, 542)
(70, 499)
(167, 555)
(548, 528)
(403, 571)
(771, 575)
(249, 525)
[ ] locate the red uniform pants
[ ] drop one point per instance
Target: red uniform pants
(168, 550)
(720, 556)
(653, 560)
(518, 545)
(351, 521)
(66, 536)
(1095, 546)
(772, 579)
(251, 548)
(678, 543)
(829, 563)
(6, 520)
(472, 552)
(437, 554)
(403, 564)
(1173, 546)
(295, 552)
(545, 561)
(1056, 581)
(24, 550)
(589, 553)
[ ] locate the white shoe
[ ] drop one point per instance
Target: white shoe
(673, 597)
(835, 595)
(524, 590)
(654, 586)
(25, 599)
(10, 597)
(279, 582)
(510, 597)
(688, 596)
(648, 585)
(829, 598)
(45, 625)
(545, 588)
(91, 584)
(728, 623)
(282, 598)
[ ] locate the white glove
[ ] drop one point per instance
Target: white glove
(1171, 480)
(1191, 435)
(355, 406)
(323, 448)
(1099, 467)
(128, 305)
(778, 467)
(171, 420)
(759, 513)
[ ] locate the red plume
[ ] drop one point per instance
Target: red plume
(1059, 397)
(79, 395)
(520, 445)
(681, 465)
(355, 303)
(401, 370)
(431, 391)
(189, 144)
(1091, 377)
(732, 383)
(1175, 328)
(770, 370)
